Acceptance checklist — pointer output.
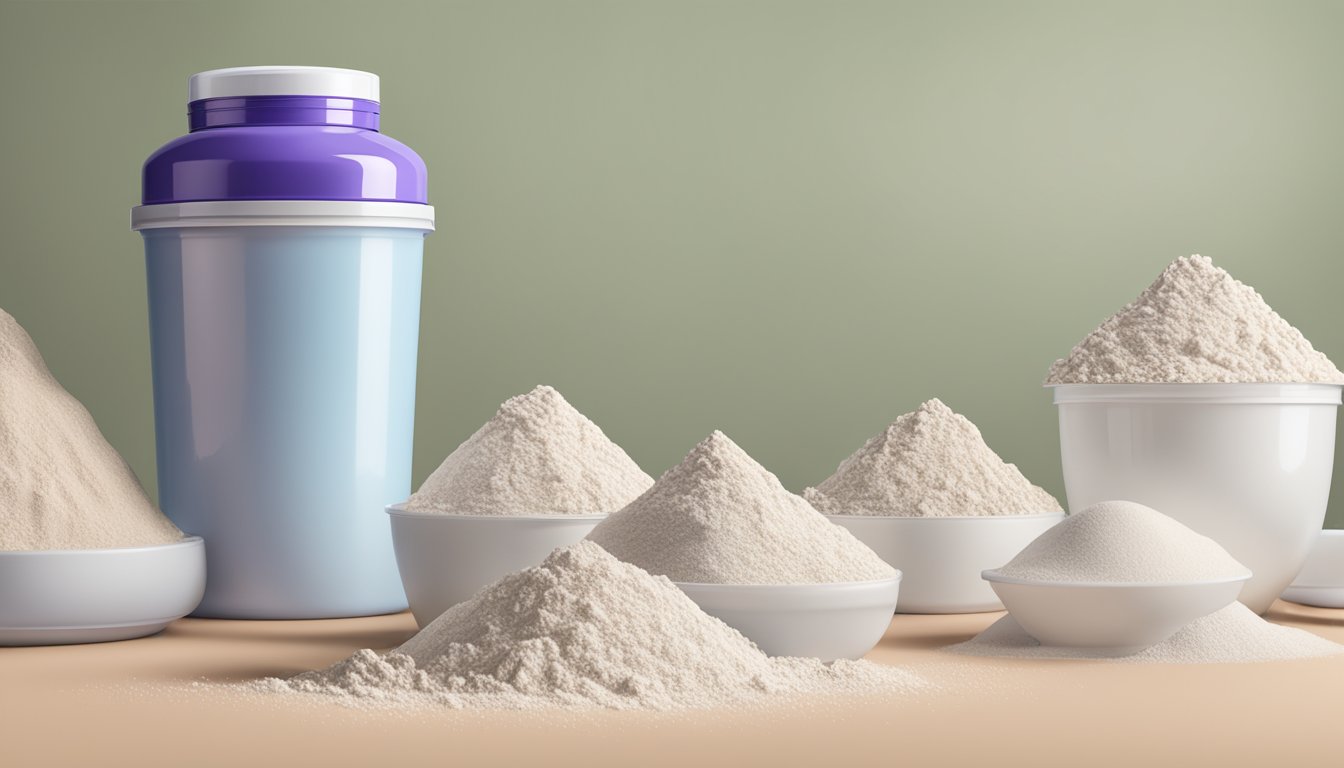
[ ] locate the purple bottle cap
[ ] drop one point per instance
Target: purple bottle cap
(284, 133)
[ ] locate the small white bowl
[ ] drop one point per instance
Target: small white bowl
(942, 557)
(58, 597)
(1110, 618)
(1247, 465)
(1321, 582)
(825, 621)
(445, 559)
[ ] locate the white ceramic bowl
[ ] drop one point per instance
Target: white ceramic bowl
(942, 557)
(1110, 619)
(1247, 465)
(445, 559)
(1321, 582)
(57, 597)
(825, 621)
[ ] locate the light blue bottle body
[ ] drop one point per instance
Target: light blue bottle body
(284, 363)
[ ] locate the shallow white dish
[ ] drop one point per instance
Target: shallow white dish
(941, 558)
(1321, 582)
(1113, 619)
(1247, 465)
(445, 559)
(824, 621)
(58, 597)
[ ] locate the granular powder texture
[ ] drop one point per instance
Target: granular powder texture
(1233, 634)
(718, 517)
(1121, 541)
(62, 486)
(931, 462)
(537, 456)
(584, 630)
(1195, 324)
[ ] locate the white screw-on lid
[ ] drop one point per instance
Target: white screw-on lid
(283, 81)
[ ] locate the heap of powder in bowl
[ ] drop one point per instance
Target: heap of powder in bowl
(1122, 542)
(931, 462)
(718, 517)
(536, 456)
(1195, 325)
(1125, 542)
(62, 485)
(583, 630)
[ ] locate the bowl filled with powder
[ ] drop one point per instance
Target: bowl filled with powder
(930, 497)
(535, 477)
(85, 556)
(1116, 578)
(747, 551)
(1198, 399)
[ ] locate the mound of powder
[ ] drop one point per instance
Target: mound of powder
(583, 630)
(1195, 324)
(718, 517)
(62, 486)
(537, 456)
(1231, 635)
(1121, 541)
(931, 462)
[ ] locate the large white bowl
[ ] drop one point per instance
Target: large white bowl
(942, 557)
(824, 621)
(1321, 582)
(1109, 619)
(1247, 465)
(57, 597)
(445, 559)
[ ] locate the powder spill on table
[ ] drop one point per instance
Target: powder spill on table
(583, 630)
(1231, 635)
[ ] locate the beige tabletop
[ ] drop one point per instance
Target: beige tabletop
(158, 701)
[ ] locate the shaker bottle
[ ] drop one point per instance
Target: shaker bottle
(283, 243)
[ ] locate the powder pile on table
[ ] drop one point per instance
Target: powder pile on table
(931, 462)
(62, 486)
(1195, 324)
(1228, 636)
(719, 517)
(583, 630)
(536, 456)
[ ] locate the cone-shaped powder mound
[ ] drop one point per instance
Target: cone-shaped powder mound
(1195, 324)
(718, 517)
(62, 486)
(931, 462)
(537, 456)
(1228, 636)
(1125, 542)
(583, 630)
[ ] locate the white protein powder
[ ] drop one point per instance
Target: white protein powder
(931, 462)
(537, 456)
(1121, 541)
(1195, 324)
(583, 630)
(1231, 635)
(62, 486)
(718, 517)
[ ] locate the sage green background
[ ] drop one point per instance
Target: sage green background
(789, 220)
